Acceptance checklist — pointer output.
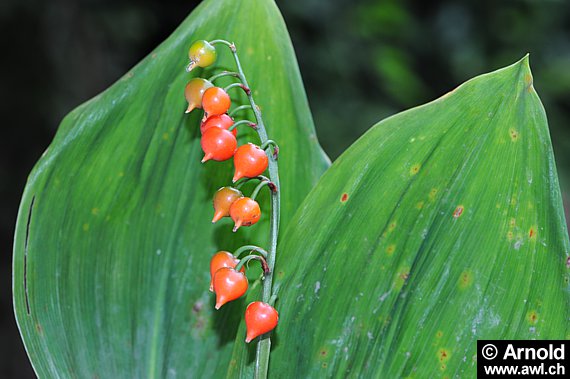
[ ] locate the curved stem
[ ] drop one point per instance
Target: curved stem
(248, 258)
(271, 143)
(240, 85)
(240, 108)
(264, 344)
(250, 248)
(242, 122)
(245, 180)
(222, 41)
(222, 74)
(259, 187)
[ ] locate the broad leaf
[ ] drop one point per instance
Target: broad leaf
(114, 235)
(440, 226)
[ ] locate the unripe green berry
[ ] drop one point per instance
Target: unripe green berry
(201, 54)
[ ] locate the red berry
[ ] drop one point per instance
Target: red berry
(219, 260)
(215, 101)
(244, 212)
(220, 121)
(218, 144)
(223, 200)
(249, 161)
(260, 318)
(229, 285)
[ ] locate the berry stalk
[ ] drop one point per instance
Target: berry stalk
(264, 344)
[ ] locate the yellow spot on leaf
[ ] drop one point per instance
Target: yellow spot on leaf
(95, 211)
(121, 174)
(392, 226)
(433, 194)
(439, 334)
(415, 169)
(510, 235)
(512, 222)
(165, 136)
(390, 249)
(85, 227)
(420, 205)
(514, 134)
(465, 279)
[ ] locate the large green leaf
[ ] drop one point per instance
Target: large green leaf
(114, 235)
(440, 226)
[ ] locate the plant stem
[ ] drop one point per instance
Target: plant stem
(264, 343)
(258, 188)
(242, 122)
(250, 248)
(240, 108)
(222, 74)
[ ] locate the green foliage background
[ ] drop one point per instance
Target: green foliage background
(368, 59)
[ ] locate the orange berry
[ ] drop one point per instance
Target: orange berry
(229, 285)
(249, 161)
(223, 199)
(219, 260)
(218, 144)
(260, 318)
(220, 121)
(194, 91)
(215, 101)
(244, 212)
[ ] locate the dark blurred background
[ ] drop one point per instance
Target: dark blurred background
(361, 61)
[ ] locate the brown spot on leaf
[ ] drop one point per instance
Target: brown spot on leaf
(344, 197)
(458, 211)
(532, 317)
(443, 355)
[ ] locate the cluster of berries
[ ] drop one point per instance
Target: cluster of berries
(219, 143)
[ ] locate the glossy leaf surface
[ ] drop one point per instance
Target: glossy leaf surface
(440, 226)
(114, 237)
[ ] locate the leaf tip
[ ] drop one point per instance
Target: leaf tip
(526, 73)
